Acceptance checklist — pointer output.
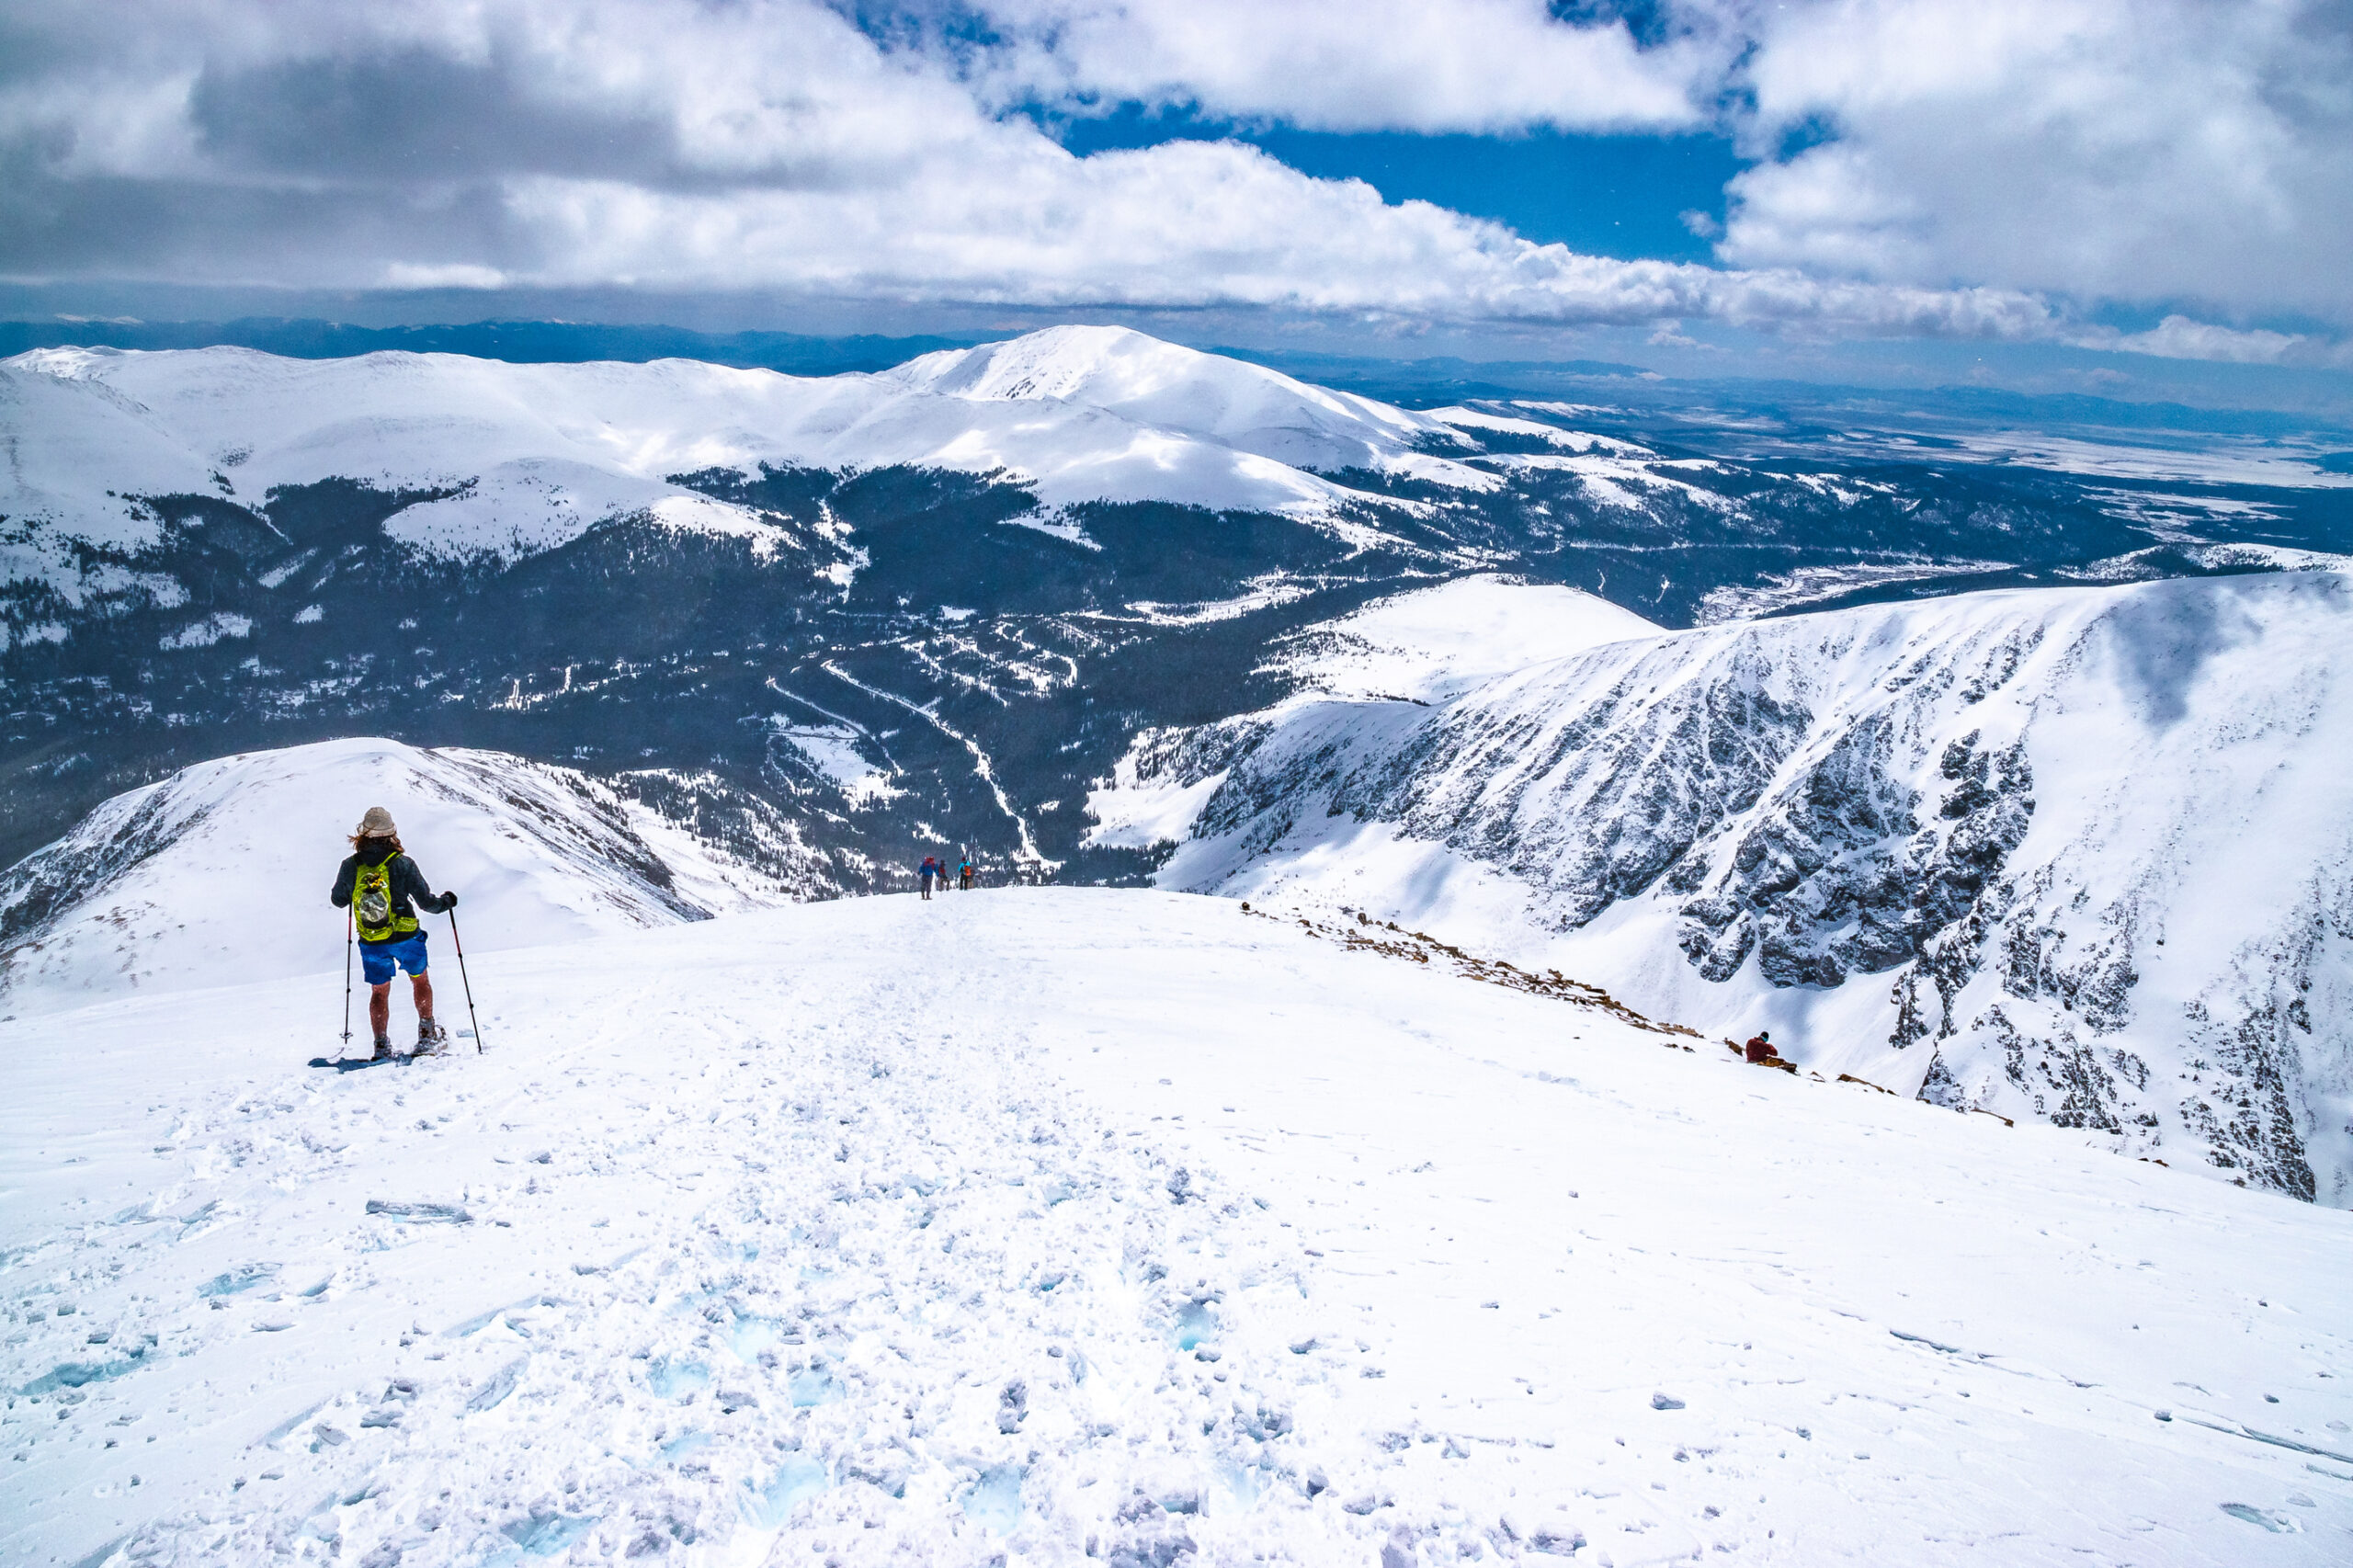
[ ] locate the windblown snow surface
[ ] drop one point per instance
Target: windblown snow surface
(2083, 856)
(506, 458)
(219, 874)
(1071, 1226)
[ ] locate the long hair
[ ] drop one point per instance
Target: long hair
(357, 839)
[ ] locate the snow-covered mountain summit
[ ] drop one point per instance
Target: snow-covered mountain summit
(219, 874)
(2080, 855)
(1087, 1226)
(1166, 387)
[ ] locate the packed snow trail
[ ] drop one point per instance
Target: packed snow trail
(1067, 1226)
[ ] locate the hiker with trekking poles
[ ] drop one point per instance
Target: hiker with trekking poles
(382, 889)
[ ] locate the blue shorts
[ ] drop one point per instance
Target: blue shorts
(376, 959)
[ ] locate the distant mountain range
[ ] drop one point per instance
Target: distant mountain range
(522, 342)
(1083, 601)
(1785, 408)
(930, 603)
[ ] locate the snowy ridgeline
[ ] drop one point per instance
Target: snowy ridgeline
(509, 460)
(1107, 1229)
(218, 875)
(2083, 856)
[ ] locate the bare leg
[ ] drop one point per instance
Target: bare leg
(424, 990)
(380, 1008)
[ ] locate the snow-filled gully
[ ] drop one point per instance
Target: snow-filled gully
(1060, 1226)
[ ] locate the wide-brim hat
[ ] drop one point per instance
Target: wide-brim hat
(377, 824)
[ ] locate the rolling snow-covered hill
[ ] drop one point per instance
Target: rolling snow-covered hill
(511, 459)
(218, 875)
(2083, 856)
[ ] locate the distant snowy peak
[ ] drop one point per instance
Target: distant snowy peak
(2078, 855)
(1167, 385)
(1106, 366)
(223, 868)
(509, 459)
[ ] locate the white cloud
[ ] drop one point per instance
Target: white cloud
(1985, 160)
(2179, 338)
(2139, 150)
(1474, 65)
(442, 275)
(1184, 224)
(2129, 150)
(770, 145)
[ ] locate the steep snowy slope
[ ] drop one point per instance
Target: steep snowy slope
(1416, 648)
(1100, 1227)
(513, 458)
(2085, 856)
(219, 874)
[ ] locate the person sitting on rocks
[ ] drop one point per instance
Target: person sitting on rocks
(1761, 1049)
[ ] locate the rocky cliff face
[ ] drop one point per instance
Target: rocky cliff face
(2085, 856)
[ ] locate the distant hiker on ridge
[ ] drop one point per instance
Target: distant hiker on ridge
(931, 871)
(964, 876)
(384, 888)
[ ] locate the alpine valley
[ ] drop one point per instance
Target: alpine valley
(2003, 771)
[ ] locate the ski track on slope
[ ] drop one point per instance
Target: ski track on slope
(892, 1231)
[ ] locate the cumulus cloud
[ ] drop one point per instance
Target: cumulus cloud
(791, 147)
(773, 144)
(2144, 152)
(1187, 223)
(1466, 65)
(2180, 337)
(2199, 151)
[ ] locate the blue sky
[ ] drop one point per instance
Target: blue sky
(1623, 196)
(2100, 193)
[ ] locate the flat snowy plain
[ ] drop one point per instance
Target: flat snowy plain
(1062, 1225)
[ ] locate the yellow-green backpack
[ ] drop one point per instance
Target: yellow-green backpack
(371, 904)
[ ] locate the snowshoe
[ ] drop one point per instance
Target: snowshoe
(383, 1049)
(431, 1038)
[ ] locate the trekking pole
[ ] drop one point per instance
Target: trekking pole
(347, 977)
(456, 942)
